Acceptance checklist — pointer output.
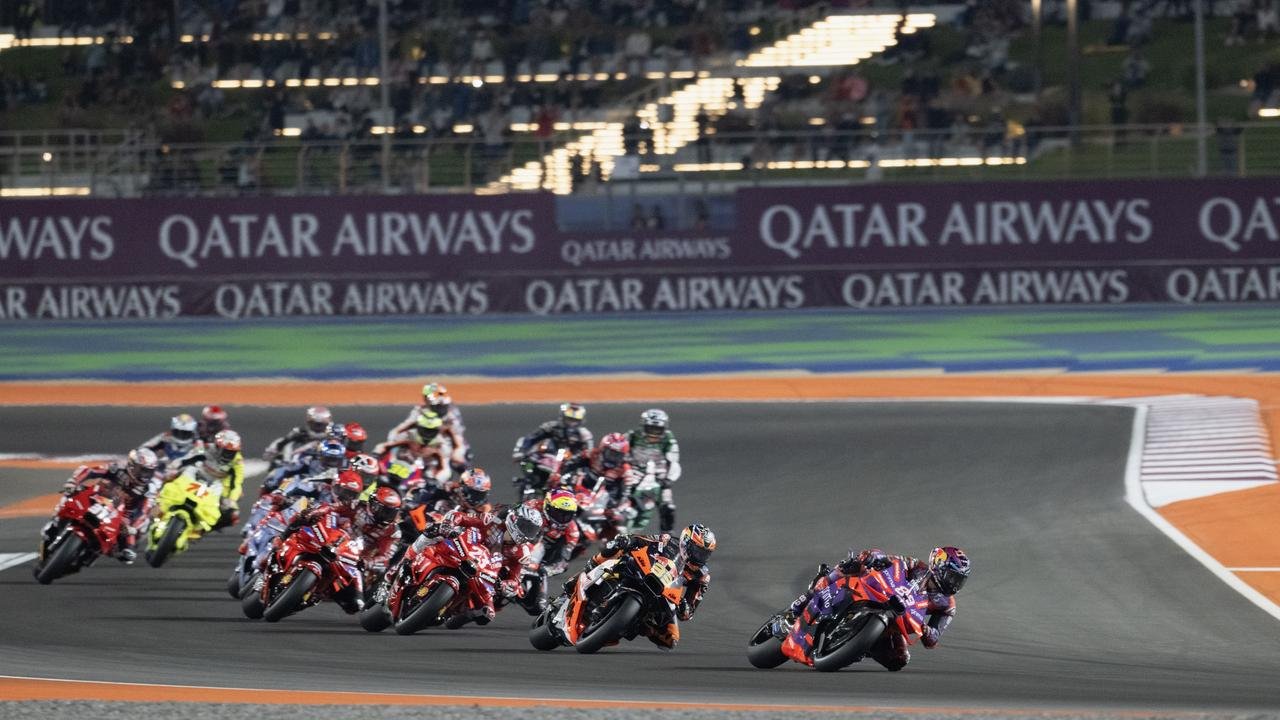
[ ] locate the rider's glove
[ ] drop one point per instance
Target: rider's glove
(929, 636)
(126, 555)
(635, 542)
(510, 588)
(798, 604)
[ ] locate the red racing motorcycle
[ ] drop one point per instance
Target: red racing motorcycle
(446, 578)
(88, 525)
(312, 564)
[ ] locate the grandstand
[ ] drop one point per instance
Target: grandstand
(286, 96)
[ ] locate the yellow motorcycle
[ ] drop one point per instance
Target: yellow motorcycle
(186, 508)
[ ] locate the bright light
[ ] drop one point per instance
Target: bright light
(1269, 112)
(814, 79)
(42, 191)
(477, 82)
(464, 128)
(47, 157)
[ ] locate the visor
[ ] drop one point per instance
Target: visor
(559, 516)
(382, 513)
(475, 497)
(182, 435)
(611, 458)
(697, 554)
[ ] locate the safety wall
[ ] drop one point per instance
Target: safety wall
(852, 247)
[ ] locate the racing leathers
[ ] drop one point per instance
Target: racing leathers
(134, 496)
(558, 542)
(573, 439)
(334, 515)
(830, 589)
(451, 428)
(663, 456)
(231, 475)
(432, 457)
(662, 631)
(587, 470)
(283, 448)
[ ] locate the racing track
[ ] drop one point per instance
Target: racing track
(1076, 601)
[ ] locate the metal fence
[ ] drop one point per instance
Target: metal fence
(126, 165)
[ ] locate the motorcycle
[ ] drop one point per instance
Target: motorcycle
(536, 468)
(186, 508)
(598, 519)
(88, 525)
(256, 542)
(444, 579)
(311, 565)
(850, 622)
(609, 602)
(645, 497)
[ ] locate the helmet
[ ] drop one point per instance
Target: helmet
(524, 524)
(948, 569)
(142, 465)
(355, 436)
(318, 419)
(182, 431)
(429, 425)
(347, 488)
(399, 470)
(697, 542)
(335, 431)
(428, 390)
(613, 450)
(655, 423)
(437, 399)
(475, 485)
(332, 454)
(226, 446)
(366, 465)
(559, 507)
(572, 414)
(384, 506)
(215, 418)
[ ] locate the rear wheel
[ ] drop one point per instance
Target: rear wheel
(611, 626)
(375, 618)
(428, 611)
(292, 598)
(847, 641)
(168, 542)
(60, 559)
(765, 649)
(542, 635)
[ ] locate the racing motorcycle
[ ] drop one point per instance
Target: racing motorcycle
(848, 627)
(536, 468)
(257, 541)
(445, 579)
(312, 564)
(186, 508)
(88, 525)
(609, 602)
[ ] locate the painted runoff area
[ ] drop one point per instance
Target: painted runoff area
(1201, 466)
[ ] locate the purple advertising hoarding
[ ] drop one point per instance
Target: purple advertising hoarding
(850, 246)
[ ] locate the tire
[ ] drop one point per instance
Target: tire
(250, 600)
(291, 599)
(541, 634)
(765, 651)
(611, 627)
(61, 559)
(233, 583)
(375, 618)
(158, 555)
(428, 611)
(853, 647)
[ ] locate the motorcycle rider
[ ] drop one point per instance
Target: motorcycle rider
(941, 577)
(469, 493)
(606, 462)
(355, 436)
(566, 431)
(653, 442)
(508, 534)
(375, 520)
(213, 420)
(436, 399)
(691, 552)
(135, 486)
(317, 422)
(561, 534)
(340, 512)
(175, 442)
(427, 448)
(330, 456)
(220, 460)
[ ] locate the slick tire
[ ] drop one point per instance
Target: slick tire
(765, 651)
(611, 627)
(852, 646)
(159, 554)
(375, 618)
(233, 584)
(291, 599)
(60, 559)
(428, 611)
(251, 600)
(542, 635)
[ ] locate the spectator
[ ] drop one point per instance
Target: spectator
(637, 49)
(1228, 147)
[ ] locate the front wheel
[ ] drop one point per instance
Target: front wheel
(233, 583)
(251, 598)
(427, 612)
(611, 626)
(542, 635)
(765, 649)
(292, 597)
(848, 641)
(61, 559)
(375, 618)
(159, 553)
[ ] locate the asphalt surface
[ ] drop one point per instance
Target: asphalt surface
(1075, 600)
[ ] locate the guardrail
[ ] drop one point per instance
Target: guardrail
(130, 166)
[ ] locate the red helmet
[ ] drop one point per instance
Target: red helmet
(318, 419)
(384, 506)
(215, 418)
(612, 450)
(355, 436)
(347, 488)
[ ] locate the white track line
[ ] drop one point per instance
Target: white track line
(1133, 495)
(8, 560)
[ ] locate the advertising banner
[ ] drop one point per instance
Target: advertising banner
(854, 247)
